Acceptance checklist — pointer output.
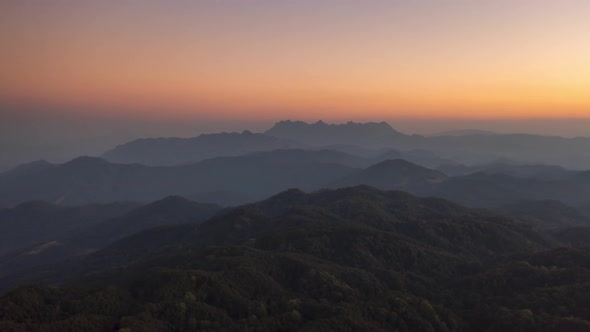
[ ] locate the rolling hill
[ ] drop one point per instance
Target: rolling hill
(348, 259)
(92, 180)
(37, 222)
(395, 174)
(37, 234)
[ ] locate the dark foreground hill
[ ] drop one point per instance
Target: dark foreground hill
(354, 259)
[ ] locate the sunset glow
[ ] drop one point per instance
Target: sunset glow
(275, 59)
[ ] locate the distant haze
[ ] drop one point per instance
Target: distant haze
(78, 77)
(27, 135)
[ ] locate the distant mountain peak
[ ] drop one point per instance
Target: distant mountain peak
(321, 133)
(395, 174)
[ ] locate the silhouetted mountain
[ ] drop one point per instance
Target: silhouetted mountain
(349, 259)
(78, 181)
(395, 174)
(475, 148)
(463, 147)
(178, 151)
(319, 134)
(421, 157)
(242, 179)
(254, 176)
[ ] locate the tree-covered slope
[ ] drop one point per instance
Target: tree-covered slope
(355, 259)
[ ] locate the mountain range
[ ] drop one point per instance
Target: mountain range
(178, 151)
(305, 227)
(468, 147)
(247, 178)
(88, 179)
(369, 134)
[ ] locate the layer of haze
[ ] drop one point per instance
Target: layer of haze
(77, 77)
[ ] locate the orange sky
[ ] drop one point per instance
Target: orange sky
(287, 59)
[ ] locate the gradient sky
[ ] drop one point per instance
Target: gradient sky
(335, 60)
(80, 76)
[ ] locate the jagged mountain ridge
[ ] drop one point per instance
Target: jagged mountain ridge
(463, 149)
(320, 133)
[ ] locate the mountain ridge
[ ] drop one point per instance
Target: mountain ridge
(320, 133)
(176, 151)
(395, 174)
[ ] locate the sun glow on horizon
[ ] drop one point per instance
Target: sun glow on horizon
(335, 59)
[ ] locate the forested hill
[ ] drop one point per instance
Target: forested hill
(355, 259)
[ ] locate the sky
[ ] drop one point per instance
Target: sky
(147, 67)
